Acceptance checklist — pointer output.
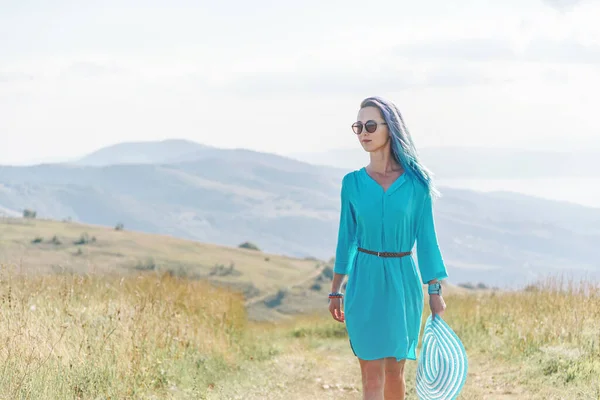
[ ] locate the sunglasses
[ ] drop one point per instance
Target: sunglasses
(370, 126)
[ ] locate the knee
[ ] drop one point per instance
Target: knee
(373, 376)
(395, 371)
(373, 381)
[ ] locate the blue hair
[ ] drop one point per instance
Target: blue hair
(403, 147)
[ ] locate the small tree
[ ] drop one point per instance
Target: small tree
(85, 239)
(27, 213)
(119, 227)
(327, 272)
(248, 245)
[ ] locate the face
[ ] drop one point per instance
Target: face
(371, 141)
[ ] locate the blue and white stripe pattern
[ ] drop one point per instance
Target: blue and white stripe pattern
(442, 366)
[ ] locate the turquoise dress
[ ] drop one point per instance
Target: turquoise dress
(383, 300)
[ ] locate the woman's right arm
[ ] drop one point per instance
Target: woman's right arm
(335, 304)
(336, 284)
(346, 232)
(343, 255)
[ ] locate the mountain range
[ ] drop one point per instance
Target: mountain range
(291, 207)
(478, 163)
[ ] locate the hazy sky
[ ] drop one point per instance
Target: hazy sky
(284, 78)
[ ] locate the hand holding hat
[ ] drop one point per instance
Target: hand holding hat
(437, 305)
(442, 366)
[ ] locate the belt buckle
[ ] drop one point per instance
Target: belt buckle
(378, 254)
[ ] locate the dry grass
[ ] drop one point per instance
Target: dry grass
(523, 323)
(552, 328)
(106, 330)
(532, 344)
(92, 337)
(150, 336)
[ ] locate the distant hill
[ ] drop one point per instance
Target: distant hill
(142, 153)
(224, 196)
(290, 207)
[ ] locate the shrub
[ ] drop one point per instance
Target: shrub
(249, 245)
(221, 270)
(320, 330)
(27, 213)
(85, 239)
(249, 290)
(276, 299)
(327, 272)
(148, 265)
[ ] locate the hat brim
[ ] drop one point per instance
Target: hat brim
(443, 364)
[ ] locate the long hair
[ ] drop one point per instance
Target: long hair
(403, 147)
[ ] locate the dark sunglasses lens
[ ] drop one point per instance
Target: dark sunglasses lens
(357, 128)
(371, 126)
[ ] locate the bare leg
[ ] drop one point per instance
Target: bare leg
(395, 387)
(373, 378)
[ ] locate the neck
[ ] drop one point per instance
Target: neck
(382, 161)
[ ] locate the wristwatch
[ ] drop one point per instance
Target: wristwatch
(435, 288)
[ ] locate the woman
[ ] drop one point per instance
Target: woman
(386, 207)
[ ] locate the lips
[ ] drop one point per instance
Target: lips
(366, 141)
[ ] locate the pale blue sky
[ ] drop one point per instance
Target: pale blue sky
(286, 77)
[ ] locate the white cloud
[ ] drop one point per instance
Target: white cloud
(485, 73)
(14, 77)
(494, 49)
(87, 69)
(563, 5)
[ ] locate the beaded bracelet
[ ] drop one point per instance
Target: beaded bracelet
(336, 295)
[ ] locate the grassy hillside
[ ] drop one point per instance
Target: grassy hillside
(131, 315)
(161, 337)
(42, 246)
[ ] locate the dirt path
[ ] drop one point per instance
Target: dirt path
(328, 370)
(265, 296)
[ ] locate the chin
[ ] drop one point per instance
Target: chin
(366, 146)
(369, 147)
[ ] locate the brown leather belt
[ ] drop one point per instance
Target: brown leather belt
(385, 253)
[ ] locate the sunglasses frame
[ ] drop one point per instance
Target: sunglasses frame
(362, 126)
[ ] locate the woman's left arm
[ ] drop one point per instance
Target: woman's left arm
(436, 302)
(430, 260)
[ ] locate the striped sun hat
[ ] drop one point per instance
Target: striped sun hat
(442, 366)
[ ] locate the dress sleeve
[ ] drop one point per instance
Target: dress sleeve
(430, 260)
(346, 233)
